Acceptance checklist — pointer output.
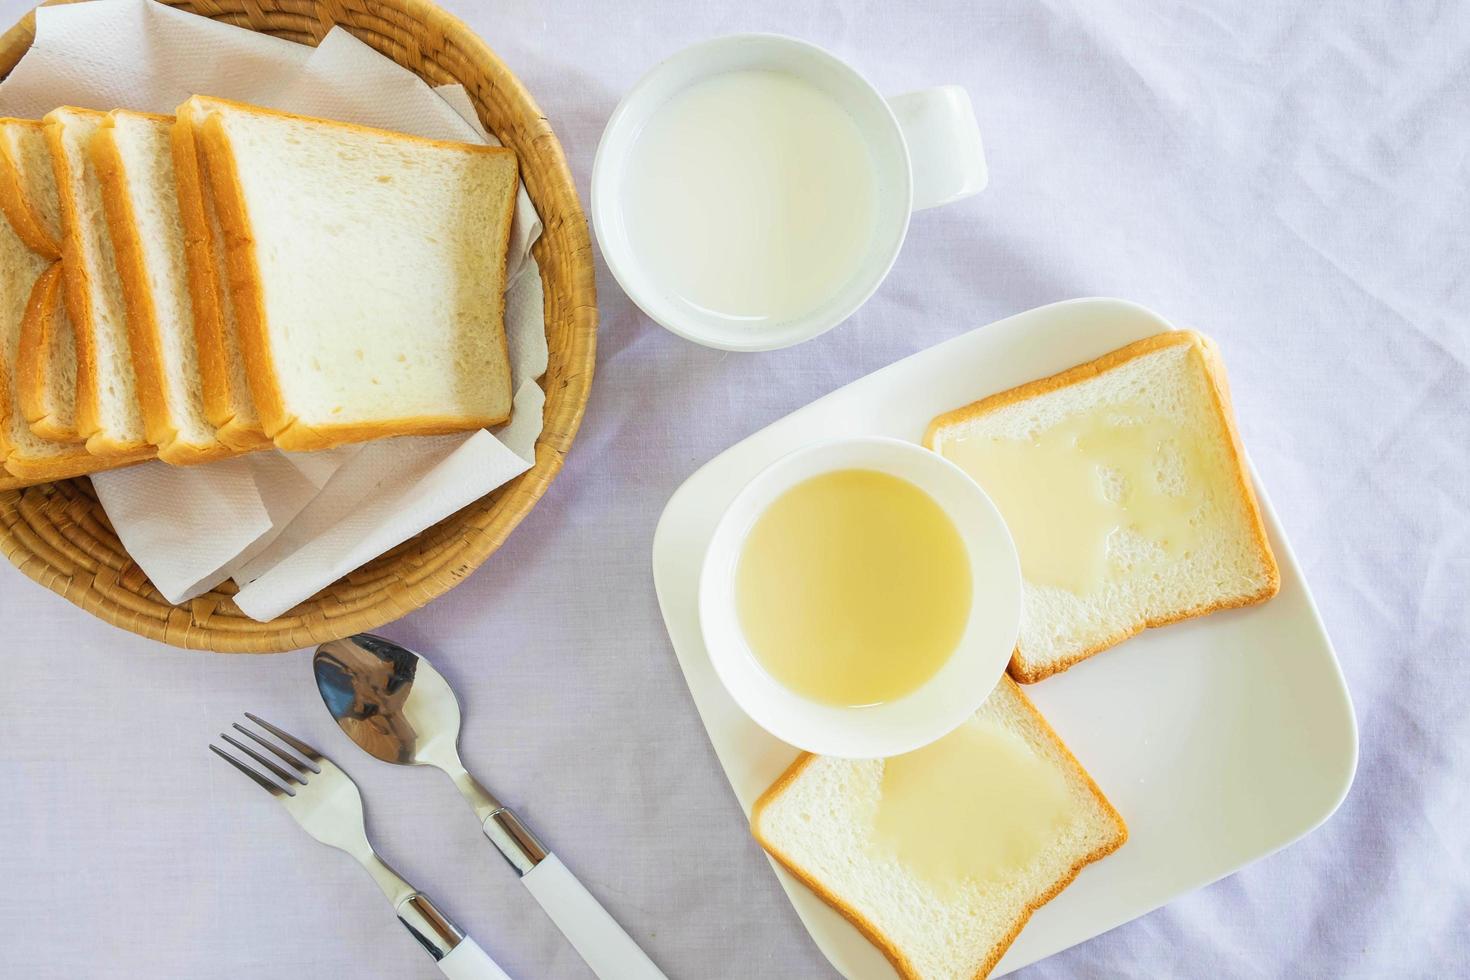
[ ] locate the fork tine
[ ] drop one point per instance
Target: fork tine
(286, 757)
(265, 784)
(286, 778)
(291, 740)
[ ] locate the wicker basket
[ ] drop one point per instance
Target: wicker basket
(59, 536)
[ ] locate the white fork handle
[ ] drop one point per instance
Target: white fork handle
(468, 961)
(593, 933)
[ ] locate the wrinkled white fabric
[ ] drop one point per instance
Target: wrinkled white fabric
(1293, 178)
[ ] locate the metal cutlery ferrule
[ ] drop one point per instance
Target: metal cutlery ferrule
(428, 925)
(514, 840)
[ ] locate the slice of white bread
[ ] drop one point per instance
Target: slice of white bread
(1176, 376)
(26, 297)
(225, 389)
(820, 821)
(28, 185)
(109, 415)
(134, 162)
(46, 363)
(24, 274)
(367, 272)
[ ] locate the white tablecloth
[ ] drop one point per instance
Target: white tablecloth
(1290, 178)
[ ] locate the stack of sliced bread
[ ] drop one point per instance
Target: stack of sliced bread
(228, 278)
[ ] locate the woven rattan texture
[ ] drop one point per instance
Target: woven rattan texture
(57, 533)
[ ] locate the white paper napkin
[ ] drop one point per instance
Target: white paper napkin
(221, 507)
(283, 525)
(443, 476)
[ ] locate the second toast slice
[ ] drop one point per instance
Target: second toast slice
(109, 415)
(1124, 485)
(940, 856)
(133, 159)
(225, 389)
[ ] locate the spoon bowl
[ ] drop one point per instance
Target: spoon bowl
(389, 700)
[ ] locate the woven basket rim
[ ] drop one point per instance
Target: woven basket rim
(58, 535)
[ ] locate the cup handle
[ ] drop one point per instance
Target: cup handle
(945, 149)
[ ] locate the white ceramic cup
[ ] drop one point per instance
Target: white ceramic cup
(959, 687)
(925, 148)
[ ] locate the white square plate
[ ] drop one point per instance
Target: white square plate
(1220, 739)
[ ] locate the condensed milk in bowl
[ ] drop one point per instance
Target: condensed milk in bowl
(752, 191)
(860, 598)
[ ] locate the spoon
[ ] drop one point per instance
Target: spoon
(398, 708)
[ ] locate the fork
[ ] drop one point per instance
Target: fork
(325, 802)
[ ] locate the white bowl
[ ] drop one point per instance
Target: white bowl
(954, 693)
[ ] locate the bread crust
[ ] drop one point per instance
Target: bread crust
(75, 286)
(205, 101)
(503, 250)
(16, 203)
(78, 296)
(1218, 387)
(74, 460)
(32, 361)
(865, 926)
(29, 473)
(145, 340)
(244, 284)
(246, 292)
(15, 463)
(140, 315)
(205, 288)
(297, 437)
(870, 931)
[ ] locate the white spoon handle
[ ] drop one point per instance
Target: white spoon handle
(608, 950)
